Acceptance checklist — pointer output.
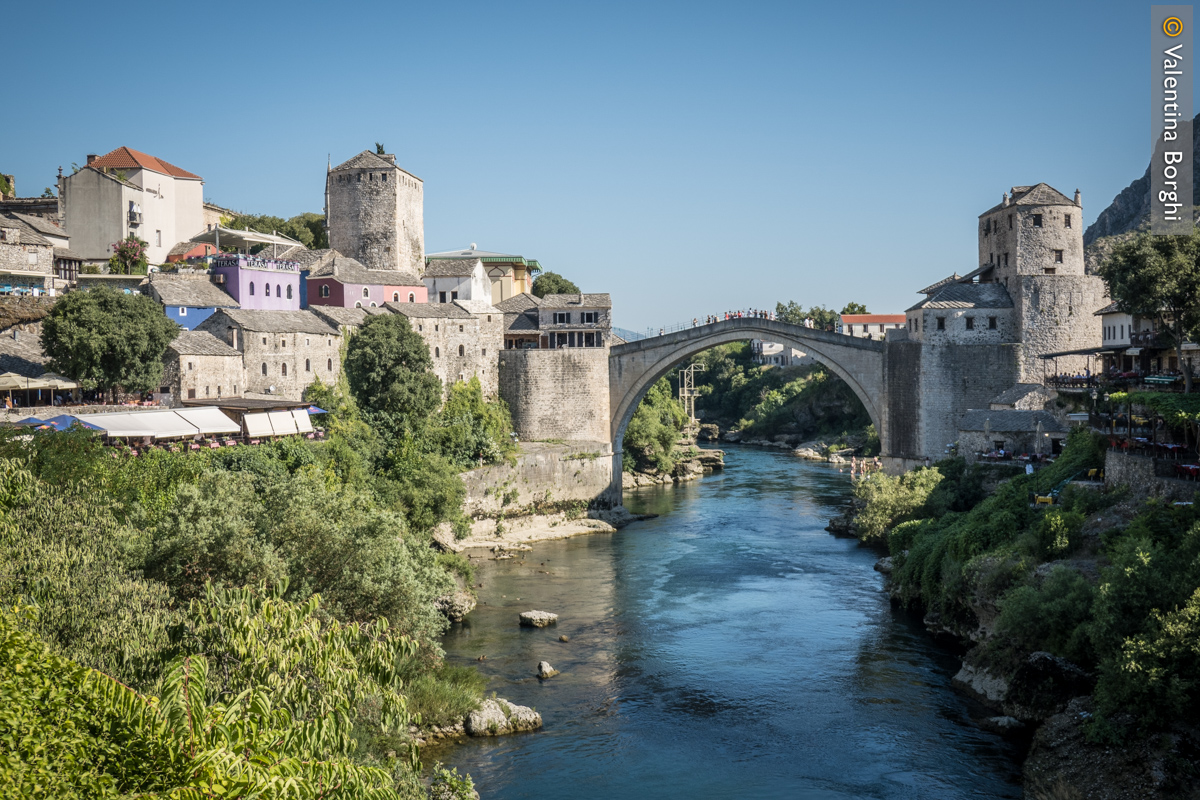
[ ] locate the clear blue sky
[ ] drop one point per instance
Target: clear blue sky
(686, 157)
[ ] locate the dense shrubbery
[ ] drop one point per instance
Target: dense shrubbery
(1138, 627)
(144, 569)
(652, 432)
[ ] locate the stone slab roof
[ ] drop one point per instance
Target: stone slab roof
(190, 292)
(42, 225)
(369, 160)
(128, 158)
(1111, 308)
(276, 321)
(520, 322)
(67, 253)
(1019, 392)
(935, 286)
(1041, 194)
(23, 355)
(1010, 421)
(429, 310)
(519, 302)
(181, 248)
(29, 234)
(201, 343)
(336, 315)
(577, 301)
(349, 270)
(450, 268)
(967, 295)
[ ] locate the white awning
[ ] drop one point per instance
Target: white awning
(156, 424)
(282, 422)
(209, 419)
(303, 423)
(257, 425)
(243, 239)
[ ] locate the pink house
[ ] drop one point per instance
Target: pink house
(338, 280)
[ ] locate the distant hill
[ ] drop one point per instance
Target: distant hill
(1129, 212)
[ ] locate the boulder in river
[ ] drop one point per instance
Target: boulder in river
(496, 717)
(537, 619)
(545, 670)
(456, 605)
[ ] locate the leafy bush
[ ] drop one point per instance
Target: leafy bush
(652, 432)
(891, 499)
(1053, 617)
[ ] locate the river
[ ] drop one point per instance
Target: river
(730, 648)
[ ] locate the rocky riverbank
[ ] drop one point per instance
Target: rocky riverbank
(694, 464)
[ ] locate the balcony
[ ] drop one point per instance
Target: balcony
(135, 218)
(1151, 339)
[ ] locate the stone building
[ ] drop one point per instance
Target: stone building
(870, 326)
(188, 299)
(198, 365)
(464, 340)
(374, 211)
(575, 320)
(27, 262)
(1016, 432)
(128, 192)
(508, 275)
(521, 322)
(453, 279)
(337, 280)
(282, 351)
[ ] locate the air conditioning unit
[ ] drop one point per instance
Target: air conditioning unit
(218, 278)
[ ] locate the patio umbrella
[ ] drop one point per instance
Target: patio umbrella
(315, 410)
(64, 421)
(28, 422)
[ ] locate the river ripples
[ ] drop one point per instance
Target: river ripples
(729, 648)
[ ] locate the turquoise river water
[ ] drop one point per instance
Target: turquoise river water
(729, 648)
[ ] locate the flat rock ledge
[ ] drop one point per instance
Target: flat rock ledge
(498, 717)
(537, 619)
(456, 605)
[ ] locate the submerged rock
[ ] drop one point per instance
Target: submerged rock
(545, 670)
(537, 619)
(1002, 725)
(498, 717)
(456, 605)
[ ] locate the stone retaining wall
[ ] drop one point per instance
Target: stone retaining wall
(543, 474)
(1142, 475)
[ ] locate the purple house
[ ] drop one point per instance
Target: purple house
(259, 284)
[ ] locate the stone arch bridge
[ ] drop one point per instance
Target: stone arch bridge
(635, 366)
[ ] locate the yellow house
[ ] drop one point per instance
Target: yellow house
(509, 275)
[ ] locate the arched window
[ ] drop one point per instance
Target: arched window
(329, 364)
(395, 297)
(325, 290)
(366, 292)
(373, 304)
(437, 352)
(461, 350)
(307, 365)
(412, 298)
(252, 288)
(264, 368)
(285, 370)
(358, 303)
(277, 292)
(289, 292)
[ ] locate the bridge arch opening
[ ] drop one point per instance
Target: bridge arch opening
(637, 366)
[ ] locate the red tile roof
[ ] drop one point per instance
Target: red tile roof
(871, 319)
(127, 158)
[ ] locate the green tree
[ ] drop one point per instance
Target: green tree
(469, 429)
(553, 283)
(655, 427)
(307, 228)
(47, 192)
(103, 339)
(129, 257)
(1158, 277)
(793, 312)
(379, 149)
(854, 308)
(388, 369)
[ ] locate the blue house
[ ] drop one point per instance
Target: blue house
(189, 299)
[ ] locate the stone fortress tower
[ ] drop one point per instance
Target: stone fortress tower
(1032, 244)
(375, 213)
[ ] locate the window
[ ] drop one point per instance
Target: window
(285, 370)
(1058, 256)
(1010, 222)
(329, 364)
(307, 341)
(277, 292)
(462, 351)
(420, 328)
(396, 297)
(289, 292)
(264, 340)
(1050, 270)
(358, 303)
(970, 323)
(183, 311)
(881, 327)
(267, 289)
(206, 391)
(441, 297)
(412, 298)
(366, 292)
(1067, 221)
(435, 327)
(283, 342)
(1122, 336)
(370, 176)
(485, 351)
(850, 329)
(190, 366)
(191, 394)
(307, 365)
(264, 368)
(1006, 259)
(373, 305)
(383, 176)
(562, 317)
(941, 326)
(460, 328)
(251, 288)
(360, 177)
(454, 295)
(437, 352)
(489, 317)
(324, 290)
(991, 323)
(589, 340)
(158, 238)
(588, 317)
(1037, 220)
(329, 342)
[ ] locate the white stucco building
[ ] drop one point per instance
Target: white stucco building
(450, 279)
(126, 192)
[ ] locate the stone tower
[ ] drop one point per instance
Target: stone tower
(1032, 244)
(375, 213)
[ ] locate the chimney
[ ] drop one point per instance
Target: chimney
(389, 157)
(91, 157)
(1004, 200)
(1078, 199)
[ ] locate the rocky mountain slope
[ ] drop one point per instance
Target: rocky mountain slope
(1129, 211)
